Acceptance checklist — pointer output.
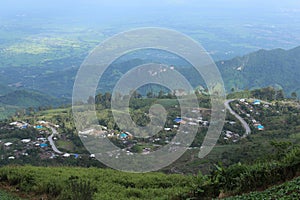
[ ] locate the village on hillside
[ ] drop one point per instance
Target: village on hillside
(45, 135)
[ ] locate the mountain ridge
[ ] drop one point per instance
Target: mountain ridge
(278, 68)
(263, 68)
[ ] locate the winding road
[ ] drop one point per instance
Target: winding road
(50, 139)
(244, 123)
(227, 102)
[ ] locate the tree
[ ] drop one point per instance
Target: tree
(136, 149)
(150, 95)
(160, 94)
(99, 98)
(91, 100)
(136, 95)
(294, 95)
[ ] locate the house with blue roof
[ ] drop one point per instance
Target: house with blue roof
(123, 136)
(256, 102)
(178, 120)
(260, 127)
(39, 127)
(43, 145)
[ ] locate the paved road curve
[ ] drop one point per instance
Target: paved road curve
(50, 139)
(244, 123)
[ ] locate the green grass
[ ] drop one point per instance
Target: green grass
(7, 111)
(48, 114)
(6, 196)
(65, 145)
(167, 102)
(61, 182)
(288, 190)
(295, 136)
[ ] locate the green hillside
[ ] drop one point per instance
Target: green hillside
(28, 98)
(288, 190)
(278, 68)
(23, 99)
(4, 89)
(7, 110)
(254, 163)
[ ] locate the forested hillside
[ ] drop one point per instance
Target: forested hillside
(278, 68)
(25, 98)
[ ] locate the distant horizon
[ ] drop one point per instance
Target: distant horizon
(214, 7)
(240, 26)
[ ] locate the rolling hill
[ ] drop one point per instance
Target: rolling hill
(278, 68)
(4, 89)
(20, 99)
(28, 98)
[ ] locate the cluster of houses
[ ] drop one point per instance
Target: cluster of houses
(251, 106)
(190, 121)
(20, 125)
(249, 113)
(40, 140)
(102, 131)
(39, 125)
(153, 142)
(16, 148)
(229, 135)
(42, 123)
(26, 144)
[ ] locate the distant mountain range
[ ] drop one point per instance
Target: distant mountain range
(39, 87)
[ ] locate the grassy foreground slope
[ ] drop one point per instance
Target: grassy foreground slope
(288, 190)
(6, 196)
(92, 183)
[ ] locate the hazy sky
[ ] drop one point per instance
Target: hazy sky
(146, 9)
(153, 12)
(29, 5)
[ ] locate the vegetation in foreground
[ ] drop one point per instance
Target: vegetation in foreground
(92, 183)
(6, 196)
(288, 190)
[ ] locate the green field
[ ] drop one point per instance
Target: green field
(7, 196)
